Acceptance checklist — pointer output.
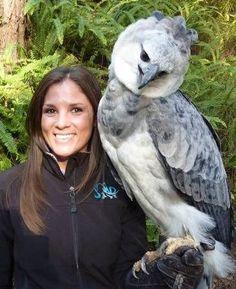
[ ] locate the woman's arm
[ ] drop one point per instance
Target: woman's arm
(133, 243)
(6, 246)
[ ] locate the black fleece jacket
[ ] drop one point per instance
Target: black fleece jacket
(89, 242)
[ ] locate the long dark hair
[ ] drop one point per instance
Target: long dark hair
(32, 196)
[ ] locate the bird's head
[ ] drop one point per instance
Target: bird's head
(151, 56)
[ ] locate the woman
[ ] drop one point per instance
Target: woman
(64, 221)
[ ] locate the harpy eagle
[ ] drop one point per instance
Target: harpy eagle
(163, 149)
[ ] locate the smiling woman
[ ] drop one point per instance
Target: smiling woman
(67, 120)
(65, 222)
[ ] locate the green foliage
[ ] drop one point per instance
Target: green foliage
(152, 233)
(84, 28)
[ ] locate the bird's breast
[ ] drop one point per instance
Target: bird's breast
(140, 163)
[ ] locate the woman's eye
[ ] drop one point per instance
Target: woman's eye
(77, 109)
(49, 111)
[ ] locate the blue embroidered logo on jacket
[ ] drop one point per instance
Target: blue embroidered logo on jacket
(102, 191)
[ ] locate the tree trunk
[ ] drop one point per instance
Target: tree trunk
(12, 25)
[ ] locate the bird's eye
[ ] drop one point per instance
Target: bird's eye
(144, 56)
(162, 73)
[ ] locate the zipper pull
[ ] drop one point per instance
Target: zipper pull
(73, 208)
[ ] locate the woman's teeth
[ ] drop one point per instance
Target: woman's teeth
(64, 137)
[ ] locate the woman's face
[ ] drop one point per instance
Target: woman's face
(67, 120)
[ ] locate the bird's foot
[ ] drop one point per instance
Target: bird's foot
(210, 245)
(146, 259)
(169, 247)
(172, 244)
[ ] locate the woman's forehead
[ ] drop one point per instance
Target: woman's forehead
(67, 92)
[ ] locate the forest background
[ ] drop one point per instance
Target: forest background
(38, 35)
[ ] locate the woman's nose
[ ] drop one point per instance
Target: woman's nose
(62, 120)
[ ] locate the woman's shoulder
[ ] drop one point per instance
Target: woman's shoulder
(10, 175)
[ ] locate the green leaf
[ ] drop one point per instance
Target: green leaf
(31, 6)
(216, 121)
(7, 140)
(61, 3)
(152, 234)
(59, 30)
(81, 26)
(232, 161)
(99, 35)
(5, 163)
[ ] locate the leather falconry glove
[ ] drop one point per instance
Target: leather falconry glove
(181, 269)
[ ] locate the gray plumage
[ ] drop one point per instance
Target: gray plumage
(164, 151)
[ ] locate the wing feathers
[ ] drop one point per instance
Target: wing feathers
(191, 155)
(223, 230)
(189, 150)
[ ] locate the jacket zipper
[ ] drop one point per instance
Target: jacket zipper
(73, 211)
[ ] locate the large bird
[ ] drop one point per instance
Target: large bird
(163, 149)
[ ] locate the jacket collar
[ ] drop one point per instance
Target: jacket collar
(78, 160)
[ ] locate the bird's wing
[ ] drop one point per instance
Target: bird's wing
(192, 158)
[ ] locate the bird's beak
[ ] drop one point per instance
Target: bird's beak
(147, 73)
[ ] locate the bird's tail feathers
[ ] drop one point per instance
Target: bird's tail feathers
(219, 260)
(206, 281)
(198, 225)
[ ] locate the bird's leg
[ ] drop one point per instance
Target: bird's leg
(172, 244)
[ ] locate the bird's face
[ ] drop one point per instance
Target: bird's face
(153, 62)
(161, 66)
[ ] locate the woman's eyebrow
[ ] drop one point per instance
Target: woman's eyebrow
(69, 104)
(78, 103)
(49, 105)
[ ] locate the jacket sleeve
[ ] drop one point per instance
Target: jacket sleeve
(133, 241)
(6, 246)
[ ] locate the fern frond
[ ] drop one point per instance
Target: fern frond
(7, 140)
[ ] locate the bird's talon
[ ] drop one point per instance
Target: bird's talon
(136, 268)
(134, 273)
(145, 270)
(143, 265)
